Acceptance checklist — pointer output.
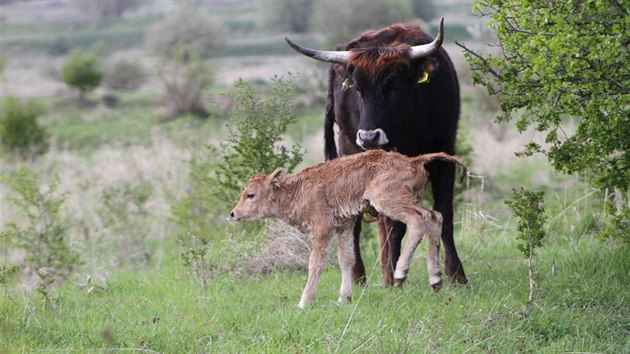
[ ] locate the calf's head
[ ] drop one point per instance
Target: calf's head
(260, 196)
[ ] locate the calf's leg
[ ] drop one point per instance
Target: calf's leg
(316, 262)
(420, 221)
(345, 252)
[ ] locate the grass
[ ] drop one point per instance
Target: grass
(582, 307)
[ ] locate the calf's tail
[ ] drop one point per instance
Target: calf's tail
(421, 160)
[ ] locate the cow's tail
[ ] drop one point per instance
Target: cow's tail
(330, 148)
(421, 160)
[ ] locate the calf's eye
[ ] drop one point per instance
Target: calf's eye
(250, 195)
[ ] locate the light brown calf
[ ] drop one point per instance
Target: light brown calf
(329, 198)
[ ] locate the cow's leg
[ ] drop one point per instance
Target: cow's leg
(390, 233)
(345, 253)
(316, 262)
(442, 176)
(434, 232)
(358, 269)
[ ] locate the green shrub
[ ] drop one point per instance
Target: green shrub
(528, 207)
(253, 145)
(125, 214)
(42, 231)
(125, 75)
(81, 71)
(20, 132)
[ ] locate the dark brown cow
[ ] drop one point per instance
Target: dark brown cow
(395, 89)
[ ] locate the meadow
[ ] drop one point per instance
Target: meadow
(122, 172)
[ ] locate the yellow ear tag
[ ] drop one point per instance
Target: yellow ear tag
(347, 83)
(424, 79)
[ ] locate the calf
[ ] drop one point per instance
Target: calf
(330, 198)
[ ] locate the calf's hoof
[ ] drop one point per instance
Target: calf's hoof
(437, 286)
(344, 300)
(398, 283)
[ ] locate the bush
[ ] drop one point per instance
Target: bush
(188, 28)
(185, 79)
(42, 233)
(125, 75)
(253, 145)
(81, 71)
(183, 41)
(20, 132)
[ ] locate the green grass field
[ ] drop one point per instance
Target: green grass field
(582, 306)
(133, 292)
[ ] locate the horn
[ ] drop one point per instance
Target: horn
(336, 57)
(423, 50)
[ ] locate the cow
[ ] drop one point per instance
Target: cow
(395, 89)
(330, 197)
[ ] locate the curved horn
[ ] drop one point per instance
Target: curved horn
(424, 50)
(336, 57)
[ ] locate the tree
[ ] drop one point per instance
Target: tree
(100, 9)
(424, 9)
(341, 22)
(564, 61)
(188, 28)
(182, 42)
(82, 71)
(291, 15)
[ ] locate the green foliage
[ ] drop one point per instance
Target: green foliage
(20, 132)
(342, 22)
(291, 15)
(618, 226)
(561, 60)
(125, 75)
(42, 231)
(190, 28)
(528, 207)
(254, 144)
(81, 71)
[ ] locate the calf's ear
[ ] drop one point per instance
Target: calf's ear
(277, 176)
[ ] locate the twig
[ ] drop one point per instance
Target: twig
(484, 60)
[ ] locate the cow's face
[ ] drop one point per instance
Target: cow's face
(386, 93)
(257, 200)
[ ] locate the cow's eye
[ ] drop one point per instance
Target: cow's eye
(250, 195)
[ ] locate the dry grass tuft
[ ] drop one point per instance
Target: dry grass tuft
(286, 249)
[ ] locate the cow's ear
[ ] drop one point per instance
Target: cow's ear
(277, 176)
(428, 67)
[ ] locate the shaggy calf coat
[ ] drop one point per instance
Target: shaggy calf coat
(330, 197)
